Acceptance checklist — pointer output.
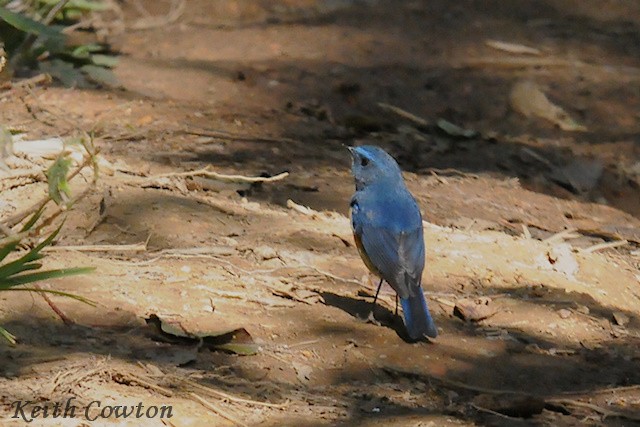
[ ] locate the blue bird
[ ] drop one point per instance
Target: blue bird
(387, 226)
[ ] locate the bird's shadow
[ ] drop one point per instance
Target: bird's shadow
(359, 309)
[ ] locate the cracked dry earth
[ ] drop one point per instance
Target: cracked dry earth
(260, 89)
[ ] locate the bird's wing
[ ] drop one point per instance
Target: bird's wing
(398, 256)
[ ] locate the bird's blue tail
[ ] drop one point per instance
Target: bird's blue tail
(417, 318)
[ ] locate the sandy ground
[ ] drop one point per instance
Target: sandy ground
(269, 87)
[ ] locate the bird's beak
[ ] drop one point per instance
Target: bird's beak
(351, 150)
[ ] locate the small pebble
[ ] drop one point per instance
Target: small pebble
(564, 313)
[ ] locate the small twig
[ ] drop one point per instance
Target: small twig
(54, 11)
(31, 81)
(17, 218)
(278, 358)
(222, 177)
(304, 210)
(453, 172)
(606, 390)
(235, 137)
(525, 231)
(303, 343)
(440, 179)
(12, 238)
(232, 398)
(599, 409)
(607, 245)
(128, 378)
(102, 215)
(445, 302)
(197, 250)
(86, 24)
(492, 412)
(330, 275)
(216, 410)
(135, 247)
(65, 319)
(167, 422)
(569, 233)
(36, 174)
(403, 113)
(537, 156)
(84, 374)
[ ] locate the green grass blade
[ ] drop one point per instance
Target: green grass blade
(34, 218)
(45, 242)
(33, 254)
(83, 5)
(59, 293)
(28, 25)
(8, 336)
(9, 247)
(42, 275)
(8, 270)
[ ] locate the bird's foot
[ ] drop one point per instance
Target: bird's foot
(370, 319)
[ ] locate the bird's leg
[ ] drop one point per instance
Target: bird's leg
(371, 318)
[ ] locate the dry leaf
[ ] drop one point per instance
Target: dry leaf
(303, 372)
(529, 100)
(474, 310)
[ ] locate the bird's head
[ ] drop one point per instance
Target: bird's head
(371, 165)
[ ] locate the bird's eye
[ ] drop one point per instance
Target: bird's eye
(364, 161)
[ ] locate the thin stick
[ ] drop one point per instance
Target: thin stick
(136, 247)
(438, 177)
(167, 422)
(602, 246)
(453, 172)
(606, 390)
(222, 177)
(604, 411)
(330, 275)
(25, 173)
(236, 137)
(537, 156)
(14, 238)
(17, 218)
(234, 398)
(216, 410)
(403, 113)
(131, 378)
(492, 412)
(54, 11)
(303, 343)
(65, 319)
(569, 233)
(304, 210)
(40, 78)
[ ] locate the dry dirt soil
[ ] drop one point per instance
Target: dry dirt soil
(532, 232)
